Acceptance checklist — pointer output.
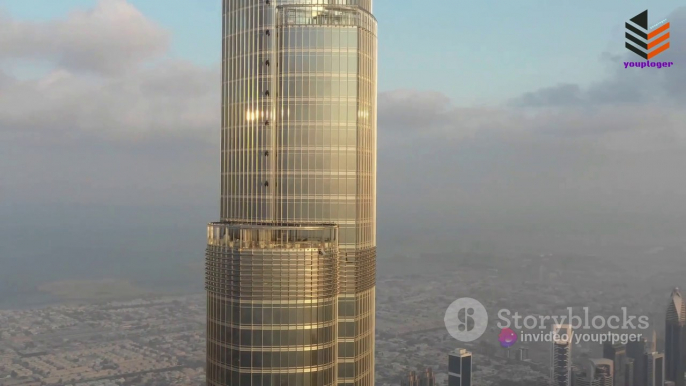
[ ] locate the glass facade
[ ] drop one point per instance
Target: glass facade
(298, 166)
(272, 301)
(675, 339)
(460, 368)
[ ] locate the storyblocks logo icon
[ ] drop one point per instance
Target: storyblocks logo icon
(466, 319)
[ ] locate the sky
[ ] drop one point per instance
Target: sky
(477, 53)
(510, 122)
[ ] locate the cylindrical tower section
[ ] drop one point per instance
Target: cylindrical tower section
(325, 143)
(325, 152)
(298, 147)
(248, 68)
(272, 304)
(299, 114)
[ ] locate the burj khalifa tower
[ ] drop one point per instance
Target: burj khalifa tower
(291, 265)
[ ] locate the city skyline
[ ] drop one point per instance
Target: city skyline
(595, 372)
(189, 192)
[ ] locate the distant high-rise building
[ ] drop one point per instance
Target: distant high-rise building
(675, 339)
(460, 368)
(652, 345)
(523, 354)
(290, 265)
(637, 350)
(429, 378)
(655, 369)
(412, 380)
(561, 355)
(595, 372)
(629, 372)
(617, 354)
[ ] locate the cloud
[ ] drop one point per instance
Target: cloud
(5, 80)
(558, 157)
(108, 39)
(625, 85)
(557, 144)
(145, 137)
(568, 177)
(560, 95)
(402, 106)
(173, 98)
(105, 124)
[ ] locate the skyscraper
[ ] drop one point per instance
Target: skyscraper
(629, 378)
(617, 354)
(595, 372)
(561, 355)
(637, 350)
(653, 343)
(460, 368)
(412, 380)
(429, 378)
(675, 338)
(426, 379)
(290, 266)
(655, 369)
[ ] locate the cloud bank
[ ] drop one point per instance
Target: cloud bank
(108, 39)
(108, 126)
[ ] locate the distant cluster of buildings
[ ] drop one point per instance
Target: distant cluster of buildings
(156, 342)
(425, 379)
(636, 363)
(459, 372)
